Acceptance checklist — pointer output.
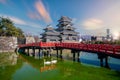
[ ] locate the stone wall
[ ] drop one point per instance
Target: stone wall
(8, 44)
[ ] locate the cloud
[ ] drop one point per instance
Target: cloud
(111, 17)
(34, 25)
(19, 21)
(31, 13)
(43, 12)
(3, 1)
(93, 24)
(15, 19)
(34, 15)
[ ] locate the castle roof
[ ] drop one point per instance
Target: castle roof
(53, 37)
(49, 28)
(69, 32)
(64, 18)
(52, 33)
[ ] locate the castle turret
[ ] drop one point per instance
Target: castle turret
(66, 29)
(50, 35)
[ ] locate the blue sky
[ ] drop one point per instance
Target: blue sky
(89, 16)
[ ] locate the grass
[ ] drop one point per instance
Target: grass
(76, 71)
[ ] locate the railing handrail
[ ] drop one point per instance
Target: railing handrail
(107, 48)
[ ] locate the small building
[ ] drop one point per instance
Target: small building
(29, 39)
(50, 35)
(66, 29)
(93, 38)
(86, 38)
(100, 38)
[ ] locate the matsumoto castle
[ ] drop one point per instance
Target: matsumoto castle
(65, 32)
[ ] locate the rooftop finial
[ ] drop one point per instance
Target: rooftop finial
(49, 25)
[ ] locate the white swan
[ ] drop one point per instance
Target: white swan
(53, 61)
(47, 62)
(50, 62)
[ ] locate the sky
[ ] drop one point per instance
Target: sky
(90, 17)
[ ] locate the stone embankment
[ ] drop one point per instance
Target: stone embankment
(8, 44)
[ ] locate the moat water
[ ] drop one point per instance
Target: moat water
(20, 67)
(92, 59)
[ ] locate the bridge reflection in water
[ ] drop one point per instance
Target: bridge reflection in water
(39, 63)
(46, 68)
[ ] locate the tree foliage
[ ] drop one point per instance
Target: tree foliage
(7, 28)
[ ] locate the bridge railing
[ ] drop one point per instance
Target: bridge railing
(106, 48)
(48, 44)
(117, 49)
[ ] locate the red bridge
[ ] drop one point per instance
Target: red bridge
(97, 48)
(103, 50)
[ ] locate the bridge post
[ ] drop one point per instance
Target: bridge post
(47, 52)
(78, 56)
(23, 50)
(33, 51)
(43, 52)
(106, 62)
(57, 52)
(39, 52)
(28, 51)
(61, 54)
(73, 55)
(101, 62)
(101, 56)
(50, 52)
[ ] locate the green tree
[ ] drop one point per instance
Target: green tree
(7, 28)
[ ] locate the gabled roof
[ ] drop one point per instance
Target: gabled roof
(69, 27)
(49, 28)
(54, 33)
(65, 28)
(64, 24)
(69, 32)
(49, 37)
(64, 18)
